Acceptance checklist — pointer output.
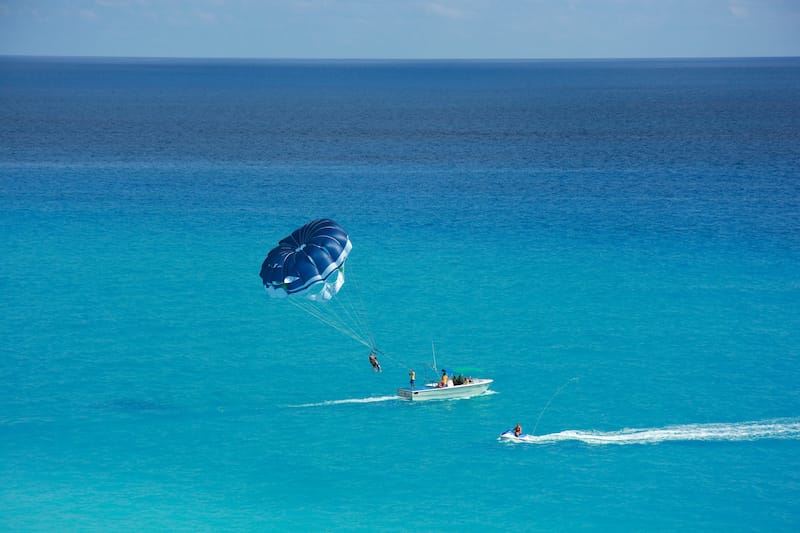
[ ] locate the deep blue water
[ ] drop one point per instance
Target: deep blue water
(616, 243)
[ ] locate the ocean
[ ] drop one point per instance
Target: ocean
(616, 243)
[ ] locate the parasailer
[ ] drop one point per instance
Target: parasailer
(307, 270)
(373, 360)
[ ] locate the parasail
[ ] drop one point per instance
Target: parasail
(309, 262)
(307, 270)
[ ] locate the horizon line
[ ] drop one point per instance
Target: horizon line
(386, 59)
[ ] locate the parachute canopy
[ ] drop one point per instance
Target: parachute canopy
(309, 262)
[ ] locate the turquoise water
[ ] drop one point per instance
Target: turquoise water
(615, 243)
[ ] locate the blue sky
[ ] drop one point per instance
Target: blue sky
(401, 28)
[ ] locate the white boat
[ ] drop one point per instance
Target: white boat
(432, 391)
(464, 388)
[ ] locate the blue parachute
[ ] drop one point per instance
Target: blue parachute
(309, 262)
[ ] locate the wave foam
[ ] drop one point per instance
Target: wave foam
(740, 431)
(349, 400)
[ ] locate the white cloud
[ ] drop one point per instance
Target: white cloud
(87, 14)
(205, 16)
(739, 9)
(442, 10)
(311, 4)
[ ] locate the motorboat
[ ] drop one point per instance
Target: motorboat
(453, 388)
(433, 391)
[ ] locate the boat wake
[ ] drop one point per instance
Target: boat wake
(740, 431)
(347, 401)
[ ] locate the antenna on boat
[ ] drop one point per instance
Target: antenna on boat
(433, 349)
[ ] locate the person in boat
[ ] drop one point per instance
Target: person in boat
(412, 377)
(376, 366)
(517, 430)
(443, 381)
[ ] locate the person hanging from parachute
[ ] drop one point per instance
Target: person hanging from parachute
(373, 360)
(307, 270)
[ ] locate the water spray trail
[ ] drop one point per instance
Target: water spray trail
(551, 400)
(784, 428)
(348, 401)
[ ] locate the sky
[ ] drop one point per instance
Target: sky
(401, 29)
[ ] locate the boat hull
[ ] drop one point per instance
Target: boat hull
(428, 392)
